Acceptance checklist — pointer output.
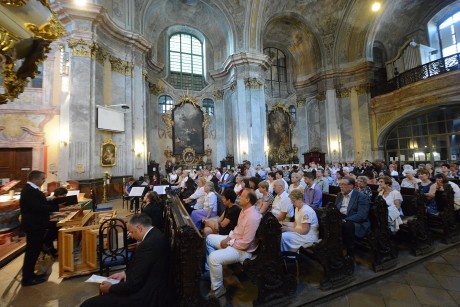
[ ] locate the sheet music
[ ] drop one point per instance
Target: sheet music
(136, 191)
(160, 189)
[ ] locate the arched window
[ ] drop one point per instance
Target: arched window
(186, 62)
(449, 32)
(276, 76)
(293, 111)
(165, 103)
(208, 106)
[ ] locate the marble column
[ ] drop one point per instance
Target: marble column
(334, 148)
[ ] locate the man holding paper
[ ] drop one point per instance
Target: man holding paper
(144, 282)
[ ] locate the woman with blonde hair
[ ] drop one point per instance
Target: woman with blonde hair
(304, 229)
(209, 206)
(264, 204)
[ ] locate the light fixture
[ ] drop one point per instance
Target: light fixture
(80, 2)
(376, 6)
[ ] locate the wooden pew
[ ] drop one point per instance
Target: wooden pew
(334, 190)
(267, 270)
(445, 222)
(384, 252)
(338, 270)
(187, 252)
(414, 231)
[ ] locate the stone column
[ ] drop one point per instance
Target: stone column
(334, 146)
(221, 121)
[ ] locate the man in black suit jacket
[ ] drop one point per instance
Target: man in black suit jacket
(354, 207)
(35, 216)
(144, 282)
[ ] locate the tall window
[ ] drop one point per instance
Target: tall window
(186, 62)
(276, 76)
(293, 112)
(208, 106)
(449, 32)
(165, 103)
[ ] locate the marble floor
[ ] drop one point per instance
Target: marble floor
(433, 281)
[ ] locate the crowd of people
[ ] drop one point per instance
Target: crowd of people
(227, 205)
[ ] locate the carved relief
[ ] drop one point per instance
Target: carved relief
(252, 83)
(13, 125)
(155, 89)
(218, 95)
(7, 40)
(80, 48)
(51, 30)
(233, 85)
(300, 102)
(343, 92)
(362, 89)
(120, 66)
(167, 119)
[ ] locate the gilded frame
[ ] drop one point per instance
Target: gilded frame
(108, 153)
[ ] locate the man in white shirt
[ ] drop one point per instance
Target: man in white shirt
(250, 170)
(282, 207)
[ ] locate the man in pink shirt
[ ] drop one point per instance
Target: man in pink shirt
(237, 246)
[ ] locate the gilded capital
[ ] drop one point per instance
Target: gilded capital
(343, 92)
(253, 83)
(120, 66)
(155, 89)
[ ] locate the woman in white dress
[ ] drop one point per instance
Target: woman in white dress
(410, 181)
(304, 230)
(393, 199)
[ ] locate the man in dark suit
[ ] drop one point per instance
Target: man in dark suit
(144, 282)
(354, 207)
(35, 213)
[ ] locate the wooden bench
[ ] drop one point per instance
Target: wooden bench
(266, 269)
(187, 253)
(414, 231)
(445, 222)
(338, 270)
(378, 240)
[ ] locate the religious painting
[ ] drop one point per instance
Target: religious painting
(188, 128)
(279, 135)
(108, 153)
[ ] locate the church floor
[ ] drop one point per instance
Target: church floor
(431, 281)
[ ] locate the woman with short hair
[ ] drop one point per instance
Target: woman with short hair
(363, 187)
(227, 221)
(410, 181)
(264, 204)
(304, 229)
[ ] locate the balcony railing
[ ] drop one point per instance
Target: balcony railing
(416, 74)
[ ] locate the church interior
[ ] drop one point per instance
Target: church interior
(95, 91)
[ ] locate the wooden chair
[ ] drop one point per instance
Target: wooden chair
(74, 184)
(52, 186)
(113, 247)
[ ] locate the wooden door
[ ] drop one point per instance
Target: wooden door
(15, 163)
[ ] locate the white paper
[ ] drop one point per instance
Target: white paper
(98, 279)
(160, 189)
(136, 191)
(75, 192)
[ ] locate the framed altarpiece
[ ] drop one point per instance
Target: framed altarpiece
(187, 124)
(280, 126)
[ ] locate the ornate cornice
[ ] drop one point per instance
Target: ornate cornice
(253, 83)
(242, 59)
(120, 66)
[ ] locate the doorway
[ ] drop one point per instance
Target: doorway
(15, 164)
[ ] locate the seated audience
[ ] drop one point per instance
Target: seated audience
(282, 207)
(362, 186)
(239, 185)
(270, 179)
(227, 221)
(198, 195)
(279, 175)
(227, 180)
(154, 209)
(354, 207)
(338, 177)
(321, 182)
(295, 183)
(313, 196)
(209, 206)
(236, 247)
(304, 229)
(264, 203)
(253, 185)
(144, 282)
(410, 181)
(428, 189)
(393, 199)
